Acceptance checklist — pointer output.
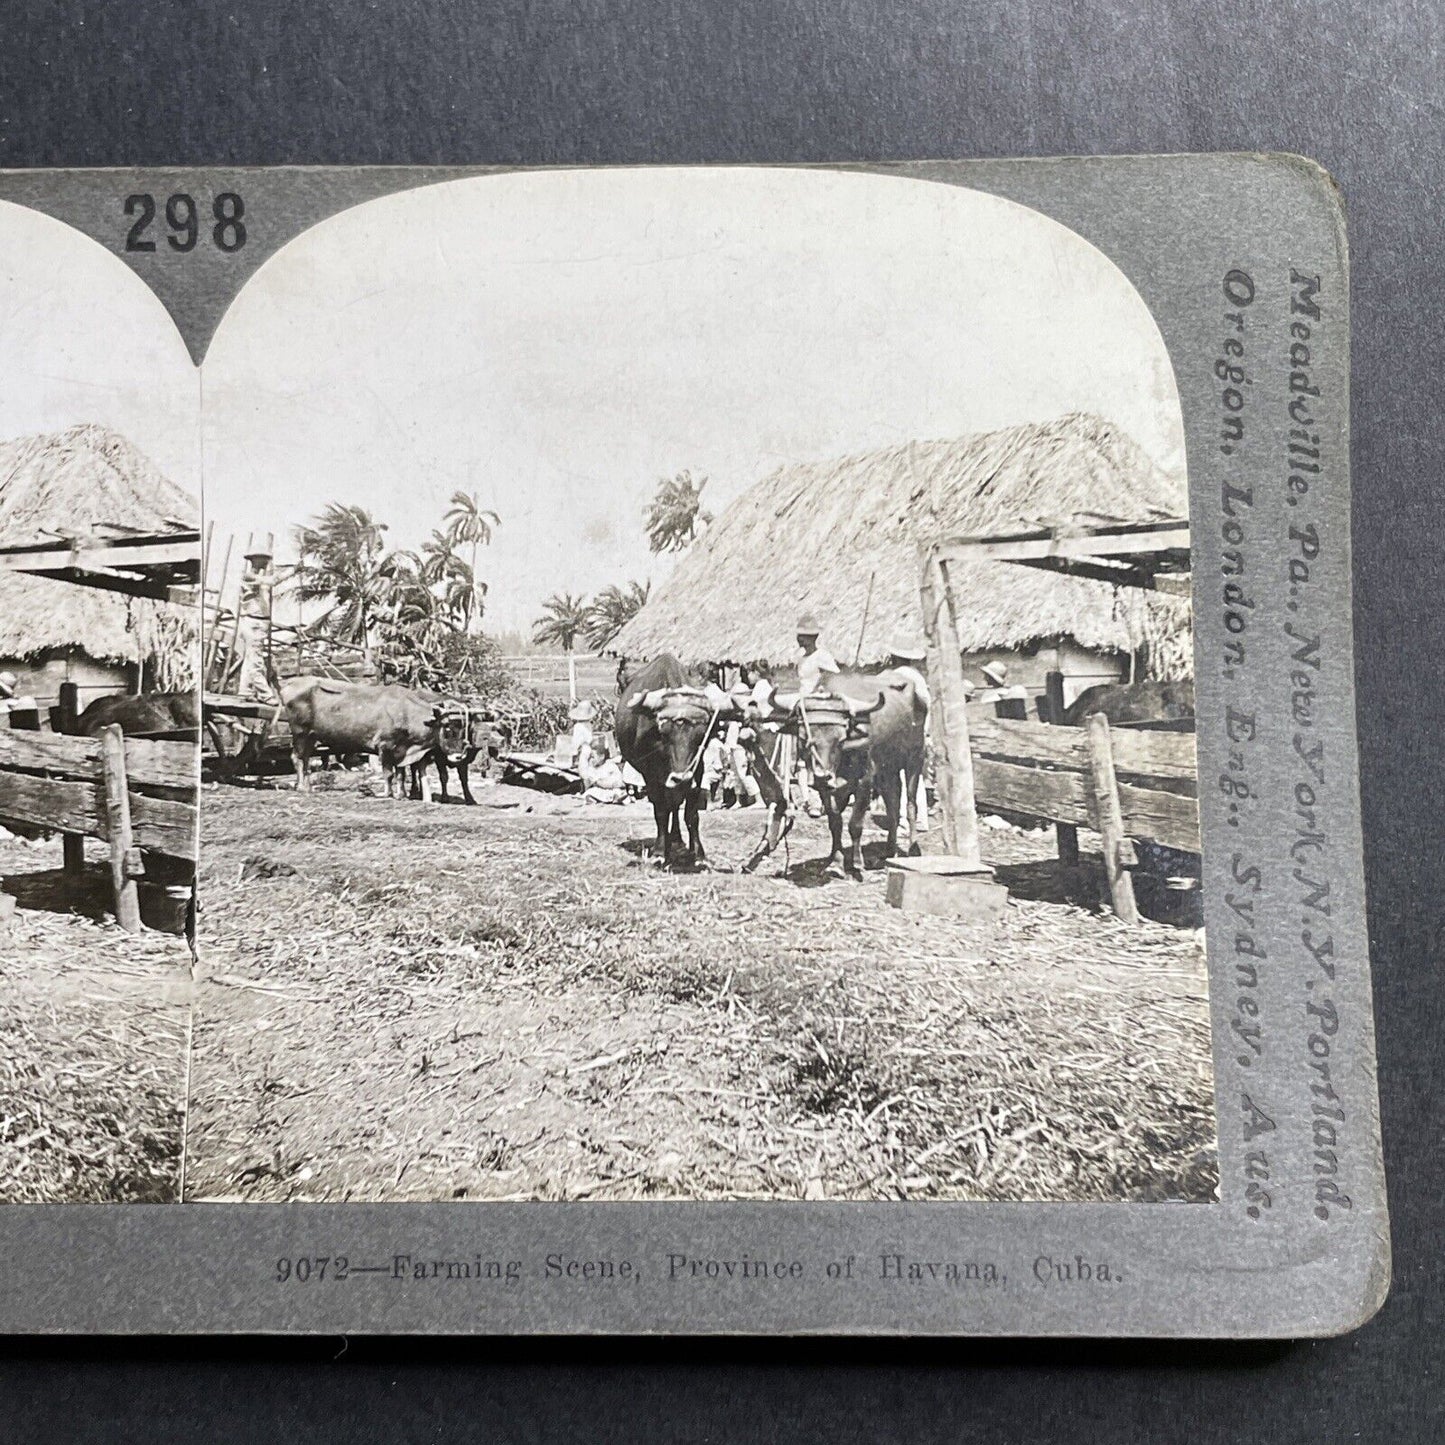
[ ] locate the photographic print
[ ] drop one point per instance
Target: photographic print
(99, 718)
(699, 699)
(722, 749)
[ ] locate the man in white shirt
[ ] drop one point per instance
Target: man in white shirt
(818, 667)
(1009, 702)
(907, 658)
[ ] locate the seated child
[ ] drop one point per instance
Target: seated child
(602, 780)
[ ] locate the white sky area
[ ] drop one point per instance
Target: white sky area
(84, 339)
(559, 342)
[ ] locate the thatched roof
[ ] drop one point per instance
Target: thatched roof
(811, 536)
(86, 481)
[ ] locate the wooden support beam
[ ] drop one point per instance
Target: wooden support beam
(1118, 850)
(949, 715)
(107, 580)
(72, 845)
(1165, 544)
(181, 555)
(211, 626)
(124, 856)
(1067, 833)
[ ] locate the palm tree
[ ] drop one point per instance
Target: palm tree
(612, 609)
(675, 515)
(563, 618)
(460, 592)
(436, 557)
(340, 561)
(443, 571)
(467, 522)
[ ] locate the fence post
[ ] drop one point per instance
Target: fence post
(950, 716)
(124, 860)
(1117, 848)
(72, 844)
(1067, 833)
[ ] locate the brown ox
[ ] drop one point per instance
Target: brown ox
(662, 727)
(1135, 702)
(483, 739)
(400, 726)
(869, 734)
(147, 712)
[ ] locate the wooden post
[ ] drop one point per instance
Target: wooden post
(1068, 834)
(72, 844)
(1117, 849)
(230, 660)
(949, 715)
(212, 627)
(125, 864)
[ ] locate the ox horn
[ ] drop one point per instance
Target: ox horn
(863, 709)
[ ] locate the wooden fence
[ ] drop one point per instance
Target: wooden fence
(1120, 782)
(135, 794)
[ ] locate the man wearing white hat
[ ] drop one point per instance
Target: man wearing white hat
(907, 658)
(580, 715)
(818, 666)
(1008, 701)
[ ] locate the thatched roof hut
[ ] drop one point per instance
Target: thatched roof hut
(89, 482)
(818, 537)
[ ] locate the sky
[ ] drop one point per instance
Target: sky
(83, 339)
(560, 342)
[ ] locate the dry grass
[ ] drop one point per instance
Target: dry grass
(93, 1038)
(442, 1002)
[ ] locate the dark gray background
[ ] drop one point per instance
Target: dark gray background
(1359, 88)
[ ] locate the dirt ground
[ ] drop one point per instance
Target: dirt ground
(415, 1001)
(94, 1032)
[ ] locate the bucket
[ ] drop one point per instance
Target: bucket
(165, 908)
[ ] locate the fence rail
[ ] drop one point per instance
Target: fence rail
(132, 793)
(1123, 784)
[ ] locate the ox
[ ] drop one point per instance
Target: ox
(483, 739)
(147, 712)
(869, 734)
(662, 726)
(1135, 702)
(400, 726)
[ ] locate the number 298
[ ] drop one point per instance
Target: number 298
(183, 222)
